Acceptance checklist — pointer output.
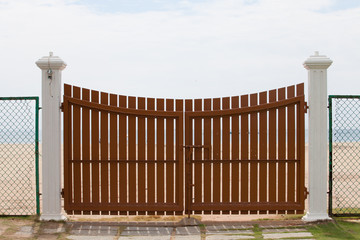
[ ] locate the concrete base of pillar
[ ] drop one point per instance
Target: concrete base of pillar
(52, 217)
(312, 217)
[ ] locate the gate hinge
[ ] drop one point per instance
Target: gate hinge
(62, 193)
(62, 107)
(306, 193)
(306, 107)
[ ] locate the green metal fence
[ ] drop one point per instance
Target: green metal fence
(344, 155)
(19, 156)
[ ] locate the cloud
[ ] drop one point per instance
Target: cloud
(192, 49)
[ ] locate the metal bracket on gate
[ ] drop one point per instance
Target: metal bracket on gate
(306, 193)
(306, 107)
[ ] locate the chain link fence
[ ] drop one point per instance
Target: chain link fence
(19, 155)
(344, 155)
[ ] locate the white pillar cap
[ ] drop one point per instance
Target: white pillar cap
(53, 62)
(317, 61)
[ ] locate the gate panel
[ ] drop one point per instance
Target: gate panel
(300, 147)
(160, 154)
(263, 151)
(274, 140)
(244, 132)
(253, 152)
(291, 149)
(226, 154)
(86, 148)
(235, 154)
(272, 150)
(123, 164)
(169, 155)
(141, 155)
(113, 154)
(179, 154)
(281, 149)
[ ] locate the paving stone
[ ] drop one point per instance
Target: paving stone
(147, 231)
(279, 225)
(187, 230)
(94, 230)
(86, 237)
(223, 227)
(229, 232)
(25, 231)
(283, 230)
(187, 237)
(286, 235)
(47, 237)
(144, 238)
(228, 237)
(53, 230)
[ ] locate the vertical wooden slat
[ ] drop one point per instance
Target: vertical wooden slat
(104, 153)
(77, 149)
(113, 154)
(169, 155)
(141, 155)
(235, 153)
(188, 168)
(244, 153)
(198, 155)
(253, 151)
(151, 155)
(179, 153)
(95, 188)
(272, 151)
(132, 154)
(291, 148)
(86, 149)
(160, 154)
(226, 154)
(300, 148)
(216, 155)
(67, 151)
(207, 155)
(281, 150)
(123, 154)
(263, 152)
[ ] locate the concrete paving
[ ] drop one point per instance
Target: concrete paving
(25, 229)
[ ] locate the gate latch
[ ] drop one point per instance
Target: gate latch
(306, 193)
(306, 107)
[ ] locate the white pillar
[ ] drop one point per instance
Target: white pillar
(51, 67)
(317, 66)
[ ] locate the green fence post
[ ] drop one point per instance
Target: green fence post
(330, 155)
(37, 155)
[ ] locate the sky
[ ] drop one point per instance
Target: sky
(179, 48)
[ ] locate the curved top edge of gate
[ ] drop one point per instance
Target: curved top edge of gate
(272, 104)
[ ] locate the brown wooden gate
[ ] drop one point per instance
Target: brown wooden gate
(247, 159)
(121, 156)
(118, 159)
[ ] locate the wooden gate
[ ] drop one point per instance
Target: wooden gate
(118, 159)
(247, 159)
(121, 156)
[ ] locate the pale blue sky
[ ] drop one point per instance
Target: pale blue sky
(179, 48)
(137, 6)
